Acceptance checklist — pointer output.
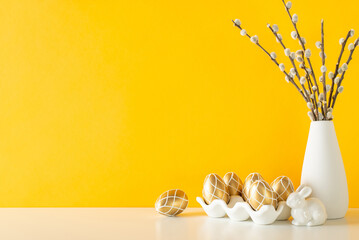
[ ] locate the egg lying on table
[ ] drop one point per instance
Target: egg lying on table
(283, 186)
(261, 194)
(250, 179)
(214, 188)
(171, 202)
(234, 183)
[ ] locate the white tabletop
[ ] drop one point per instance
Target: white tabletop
(145, 223)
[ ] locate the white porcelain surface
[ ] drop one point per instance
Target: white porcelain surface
(285, 214)
(323, 169)
(306, 211)
(145, 223)
(238, 210)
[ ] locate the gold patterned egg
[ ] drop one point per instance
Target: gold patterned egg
(261, 194)
(171, 202)
(214, 188)
(283, 186)
(250, 179)
(234, 183)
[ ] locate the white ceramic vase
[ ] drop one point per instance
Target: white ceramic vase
(323, 169)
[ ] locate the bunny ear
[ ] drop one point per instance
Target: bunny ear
(305, 192)
(300, 187)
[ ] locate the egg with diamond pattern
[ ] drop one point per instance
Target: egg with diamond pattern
(171, 202)
(214, 188)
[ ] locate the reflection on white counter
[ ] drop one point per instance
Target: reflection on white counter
(145, 223)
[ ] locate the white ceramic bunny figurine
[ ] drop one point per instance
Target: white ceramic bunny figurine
(309, 212)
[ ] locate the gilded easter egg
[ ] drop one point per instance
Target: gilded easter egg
(171, 202)
(283, 186)
(214, 188)
(234, 183)
(250, 179)
(261, 194)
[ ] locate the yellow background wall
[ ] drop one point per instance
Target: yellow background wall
(110, 103)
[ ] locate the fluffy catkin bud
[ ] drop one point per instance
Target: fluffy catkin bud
(340, 70)
(330, 109)
(309, 105)
(330, 75)
(303, 40)
(329, 115)
(321, 117)
(309, 71)
(299, 59)
(340, 89)
(289, 5)
(318, 44)
(311, 96)
(254, 39)
(273, 55)
(323, 69)
(351, 47)
(275, 28)
(321, 97)
(301, 65)
(320, 78)
(336, 80)
(279, 37)
(311, 116)
(299, 52)
(281, 67)
(308, 53)
(341, 41)
(243, 32)
(344, 67)
(314, 88)
(294, 35)
(292, 71)
(352, 32)
(286, 79)
(319, 104)
(321, 55)
(302, 80)
(295, 18)
(237, 22)
(292, 55)
(287, 52)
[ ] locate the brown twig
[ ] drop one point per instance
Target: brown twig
(342, 77)
(337, 67)
(295, 68)
(303, 45)
(324, 72)
(275, 61)
(310, 86)
(291, 60)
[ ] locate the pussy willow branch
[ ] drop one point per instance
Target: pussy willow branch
(324, 72)
(275, 61)
(337, 68)
(292, 61)
(342, 77)
(296, 71)
(310, 85)
(303, 45)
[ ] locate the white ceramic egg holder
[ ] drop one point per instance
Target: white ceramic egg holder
(239, 210)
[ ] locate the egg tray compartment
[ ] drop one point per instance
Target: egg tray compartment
(239, 210)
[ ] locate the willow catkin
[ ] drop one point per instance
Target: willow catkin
(294, 35)
(340, 89)
(311, 116)
(336, 80)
